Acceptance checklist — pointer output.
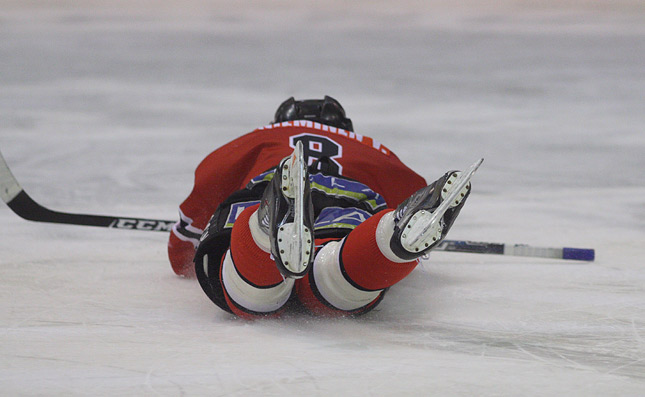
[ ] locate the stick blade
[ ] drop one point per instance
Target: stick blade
(9, 186)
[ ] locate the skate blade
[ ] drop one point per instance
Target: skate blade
(295, 241)
(425, 227)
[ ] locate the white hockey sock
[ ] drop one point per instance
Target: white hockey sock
(332, 284)
(384, 232)
(250, 297)
(259, 236)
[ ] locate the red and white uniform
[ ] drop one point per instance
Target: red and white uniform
(229, 169)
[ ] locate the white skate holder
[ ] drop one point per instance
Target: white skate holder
(295, 239)
(425, 227)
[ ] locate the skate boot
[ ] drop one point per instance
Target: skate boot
(423, 220)
(286, 216)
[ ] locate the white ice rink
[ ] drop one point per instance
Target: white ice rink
(108, 110)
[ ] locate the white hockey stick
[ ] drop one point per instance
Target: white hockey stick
(479, 247)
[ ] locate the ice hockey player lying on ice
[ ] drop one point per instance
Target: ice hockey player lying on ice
(305, 214)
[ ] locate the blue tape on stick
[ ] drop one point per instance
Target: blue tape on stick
(579, 254)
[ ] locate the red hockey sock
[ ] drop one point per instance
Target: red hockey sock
(254, 264)
(363, 261)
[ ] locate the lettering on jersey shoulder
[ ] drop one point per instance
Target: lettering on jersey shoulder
(365, 140)
(318, 146)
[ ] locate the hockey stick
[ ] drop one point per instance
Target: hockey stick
(24, 206)
(478, 247)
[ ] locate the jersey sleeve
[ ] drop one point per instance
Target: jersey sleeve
(219, 175)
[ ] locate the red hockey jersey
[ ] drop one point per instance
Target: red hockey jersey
(233, 165)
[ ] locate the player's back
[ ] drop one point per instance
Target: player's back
(348, 154)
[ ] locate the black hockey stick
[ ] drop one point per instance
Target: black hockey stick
(24, 206)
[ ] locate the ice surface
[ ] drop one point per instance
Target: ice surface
(109, 108)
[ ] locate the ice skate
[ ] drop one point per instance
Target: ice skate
(286, 215)
(423, 220)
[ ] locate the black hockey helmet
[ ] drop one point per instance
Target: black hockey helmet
(326, 111)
